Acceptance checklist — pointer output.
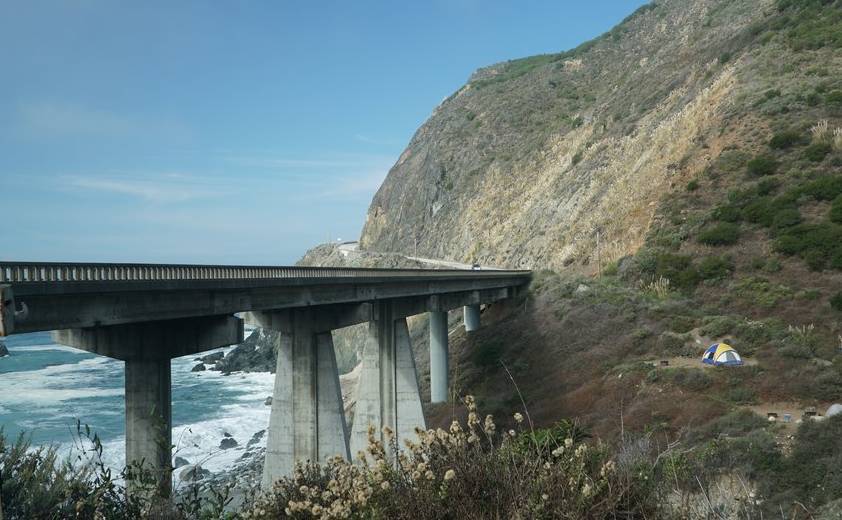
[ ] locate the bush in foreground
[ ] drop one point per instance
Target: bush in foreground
(467, 473)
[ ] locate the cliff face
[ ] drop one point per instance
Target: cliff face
(536, 161)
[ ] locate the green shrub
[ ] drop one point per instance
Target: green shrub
(730, 161)
(727, 213)
(836, 301)
(759, 211)
(718, 326)
(835, 98)
(809, 24)
(741, 395)
(38, 483)
(762, 165)
(767, 187)
(678, 269)
(836, 259)
(760, 291)
(737, 422)
(816, 152)
(722, 234)
(693, 185)
(825, 188)
(818, 244)
(488, 354)
(716, 267)
(815, 259)
(772, 93)
(681, 324)
(672, 344)
(786, 139)
(692, 379)
(772, 265)
(787, 217)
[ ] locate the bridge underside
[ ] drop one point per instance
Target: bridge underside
(147, 323)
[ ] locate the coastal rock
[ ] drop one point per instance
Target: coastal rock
(228, 443)
(211, 358)
(255, 354)
(199, 368)
(180, 462)
(3, 350)
(268, 401)
(256, 438)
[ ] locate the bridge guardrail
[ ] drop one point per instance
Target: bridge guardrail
(26, 272)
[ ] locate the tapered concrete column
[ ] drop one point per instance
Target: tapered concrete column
(471, 318)
(438, 357)
(307, 421)
(149, 419)
(387, 394)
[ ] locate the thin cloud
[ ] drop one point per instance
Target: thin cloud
(48, 119)
(161, 189)
(337, 163)
(373, 140)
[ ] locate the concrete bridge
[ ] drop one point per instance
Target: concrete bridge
(148, 314)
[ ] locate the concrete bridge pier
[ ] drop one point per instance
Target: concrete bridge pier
(307, 421)
(387, 394)
(147, 348)
(438, 357)
(149, 418)
(472, 320)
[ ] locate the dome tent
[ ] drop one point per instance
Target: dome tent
(722, 354)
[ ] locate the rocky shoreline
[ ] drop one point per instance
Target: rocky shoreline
(255, 354)
(3, 350)
(242, 480)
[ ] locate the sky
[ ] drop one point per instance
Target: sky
(232, 132)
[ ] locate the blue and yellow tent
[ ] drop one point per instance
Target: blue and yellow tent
(722, 354)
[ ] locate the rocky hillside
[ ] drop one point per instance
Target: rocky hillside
(677, 181)
(565, 158)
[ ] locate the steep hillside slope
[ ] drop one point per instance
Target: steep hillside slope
(562, 158)
(684, 173)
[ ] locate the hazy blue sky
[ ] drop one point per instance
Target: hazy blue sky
(231, 131)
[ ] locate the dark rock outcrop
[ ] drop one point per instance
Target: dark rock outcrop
(211, 358)
(199, 368)
(256, 438)
(228, 443)
(179, 462)
(255, 354)
(3, 350)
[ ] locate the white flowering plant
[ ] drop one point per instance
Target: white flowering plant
(466, 471)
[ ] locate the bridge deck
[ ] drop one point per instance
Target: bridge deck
(47, 296)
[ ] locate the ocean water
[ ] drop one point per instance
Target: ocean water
(45, 388)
